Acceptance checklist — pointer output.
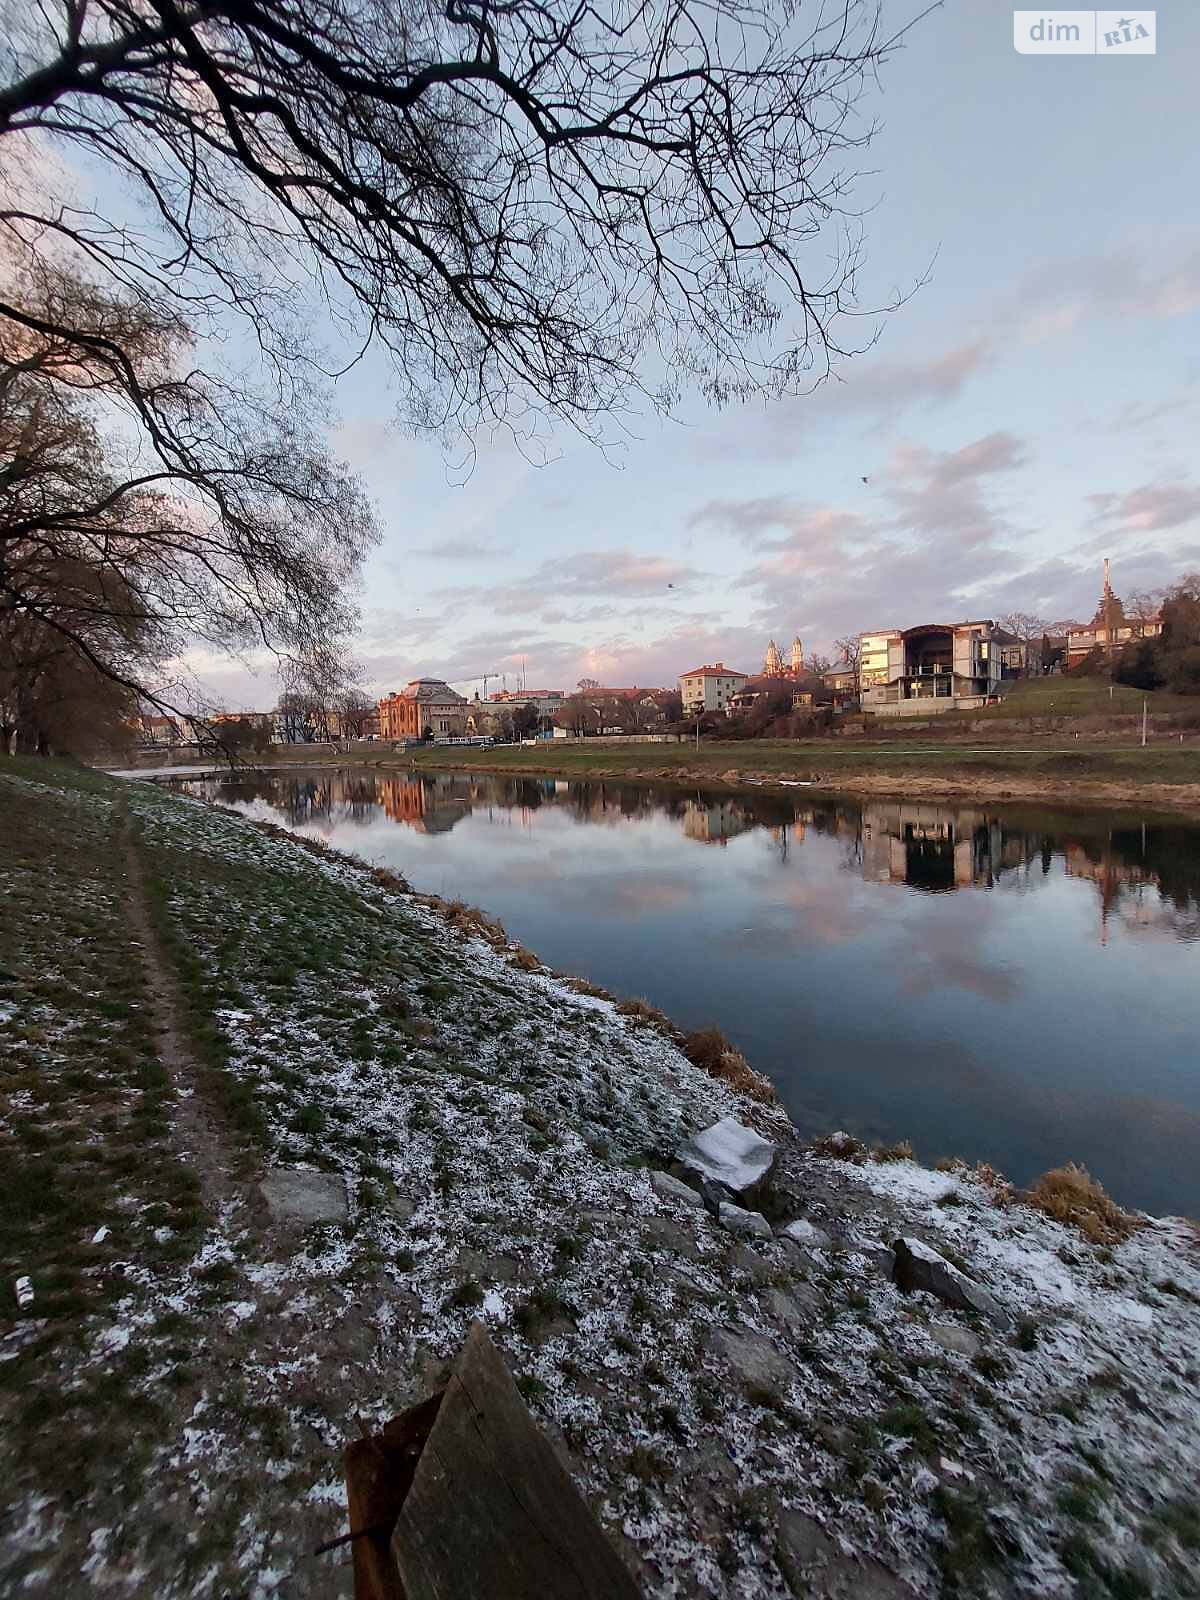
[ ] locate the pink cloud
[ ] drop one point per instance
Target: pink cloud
(1148, 508)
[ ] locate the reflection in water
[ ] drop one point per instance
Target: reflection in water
(928, 847)
(1042, 1014)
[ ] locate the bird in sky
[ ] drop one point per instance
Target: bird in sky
(866, 480)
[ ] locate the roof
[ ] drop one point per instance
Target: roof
(718, 671)
(428, 689)
(946, 627)
(762, 684)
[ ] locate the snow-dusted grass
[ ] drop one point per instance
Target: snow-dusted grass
(491, 1127)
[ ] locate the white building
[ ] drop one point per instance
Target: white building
(709, 688)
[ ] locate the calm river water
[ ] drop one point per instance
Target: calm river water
(1009, 984)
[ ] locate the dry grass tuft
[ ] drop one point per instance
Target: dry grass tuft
(711, 1051)
(592, 990)
(387, 879)
(842, 1145)
(900, 1151)
(469, 921)
(1000, 1190)
(643, 1011)
(1071, 1195)
(525, 959)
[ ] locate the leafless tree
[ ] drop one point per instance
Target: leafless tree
(578, 715)
(1024, 625)
(189, 512)
(355, 712)
(528, 204)
(849, 651)
(1144, 605)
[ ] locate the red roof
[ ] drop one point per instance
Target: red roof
(719, 671)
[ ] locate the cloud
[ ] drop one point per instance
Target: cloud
(1124, 284)
(458, 550)
(1052, 302)
(869, 390)
(812, 528)
(616, 574)
(1149, 508)
(942, 491)
(937, 531)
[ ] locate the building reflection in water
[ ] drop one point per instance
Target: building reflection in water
(937, 848)
(1147, 875)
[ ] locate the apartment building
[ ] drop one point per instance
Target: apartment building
(709, 688)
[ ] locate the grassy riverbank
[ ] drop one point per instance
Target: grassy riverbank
(194, 1010)
(1163, 775)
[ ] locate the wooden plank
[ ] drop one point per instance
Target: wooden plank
(379, 1472)
(491, 1510)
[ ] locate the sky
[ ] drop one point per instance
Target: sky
(1030, 408)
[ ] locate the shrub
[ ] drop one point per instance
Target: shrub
(1071, 1195)
(900, 1151)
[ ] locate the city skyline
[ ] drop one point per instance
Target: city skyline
(1025, 411)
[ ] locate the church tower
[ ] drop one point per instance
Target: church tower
(797, 657)
(773, 664)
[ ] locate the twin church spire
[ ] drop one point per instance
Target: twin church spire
(773, 666)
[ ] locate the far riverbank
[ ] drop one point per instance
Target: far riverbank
(1166, 777)
(1161, 775)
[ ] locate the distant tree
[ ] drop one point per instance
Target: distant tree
(525, 721)
(1140, 665)
(1181, 613)
(849, 650)
(355, 712)
(670, 705)
(771, 708)
(588, 685)
(1029, 629)
(1180, 642)
(294, 714)
(1144, 605)
(1024, 624)
(578, 716)
(818, 665)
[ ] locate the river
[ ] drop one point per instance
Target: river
(1008, 984)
